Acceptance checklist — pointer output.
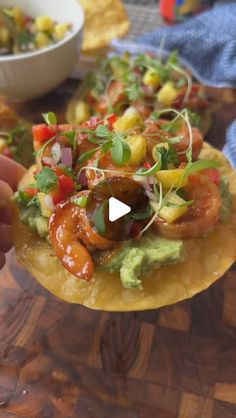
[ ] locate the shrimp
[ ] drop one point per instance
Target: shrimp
(106, 162)
(155, 134)
(70, 233)
(202, 215)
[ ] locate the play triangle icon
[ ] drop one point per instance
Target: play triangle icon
(117, 209)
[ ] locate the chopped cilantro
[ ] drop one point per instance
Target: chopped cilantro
(168, 156)
(99, 218)
(46, 180)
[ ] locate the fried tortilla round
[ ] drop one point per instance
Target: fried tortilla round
(207, 259)
(104, 21)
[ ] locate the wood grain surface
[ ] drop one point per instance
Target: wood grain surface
(65, 361)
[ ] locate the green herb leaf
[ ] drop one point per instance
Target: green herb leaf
(155, 116)
(24, 38)
(106, 146)
(92, 138)
(201, 165)
(21, 197)
(182, 205)
(173, 58)
(80, 201)
(133, 92)
(99, 218)
(71, 135)
(50, 118)
(168, 156)
(175, 139)
(102, 131)
(194, 118)
(132, 86)
(120, 151)
(46, 180)
(143, 215)
(150, 171)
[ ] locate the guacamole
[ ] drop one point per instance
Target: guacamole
(31, 215)
(138, 258)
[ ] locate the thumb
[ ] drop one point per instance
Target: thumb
(10, 171)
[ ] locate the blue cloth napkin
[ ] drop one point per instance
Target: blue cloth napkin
(206, 45)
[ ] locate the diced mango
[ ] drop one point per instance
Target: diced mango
(172, 178)
(2, 144)
(167, 94)
(42, 40)
(151, 78)
(82, 112)
(60, 30)
(138, 147)
(130, 119)
(45, 204)
(171, 213)
(44, 23)
(4, 36)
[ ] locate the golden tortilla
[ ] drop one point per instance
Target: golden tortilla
(104, 21)
(207, 260)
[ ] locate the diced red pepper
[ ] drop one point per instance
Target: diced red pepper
(112, 119)
(136, 229)
(59, 171)
(66, 184)
(31, 191)
(57, 197)
(213, 174)
(42, 133)
(147, 165)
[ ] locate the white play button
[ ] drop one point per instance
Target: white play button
(117, 209)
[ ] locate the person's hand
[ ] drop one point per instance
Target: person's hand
(10, 174)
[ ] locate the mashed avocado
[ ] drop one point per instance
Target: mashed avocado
(30, 215)
(137, 258)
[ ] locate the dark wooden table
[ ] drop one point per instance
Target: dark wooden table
(63, 361)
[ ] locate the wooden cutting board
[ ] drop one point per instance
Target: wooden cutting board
(65, 361)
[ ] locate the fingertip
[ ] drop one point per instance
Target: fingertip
(2, 260)
(5, 202)
(11, 171)
(6, 241)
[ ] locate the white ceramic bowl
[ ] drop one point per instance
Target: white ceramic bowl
(28, 76)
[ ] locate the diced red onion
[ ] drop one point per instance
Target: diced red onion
(48, 161)
(150, 195)
(66, 156)
(82, 179)
(93, 122)
(56, 152)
